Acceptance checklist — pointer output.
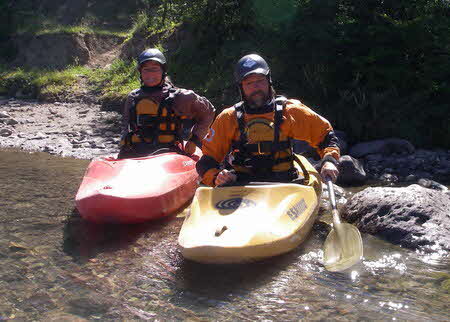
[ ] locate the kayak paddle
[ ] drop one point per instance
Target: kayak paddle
(343, 247)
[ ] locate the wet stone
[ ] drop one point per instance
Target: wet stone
(87, 132)
(39, 135)
(388, 178)
(432, 184)
(12, 121)
(5, 132)
(56, 316)
(86, 307)
(411, 178)
(12, 277)
(15, 247)
(40, 302)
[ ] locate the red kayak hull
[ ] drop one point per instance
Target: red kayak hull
(138, 189)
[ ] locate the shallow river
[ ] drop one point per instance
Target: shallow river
(55, 266)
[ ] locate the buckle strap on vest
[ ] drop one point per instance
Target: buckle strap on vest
(241, 122)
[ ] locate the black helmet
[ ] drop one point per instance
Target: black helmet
(152, 54)
(251, 64)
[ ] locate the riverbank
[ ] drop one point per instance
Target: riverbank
(85, 130)
(80, 130)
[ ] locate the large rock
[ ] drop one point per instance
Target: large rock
(386, 147)
(413, 216)
(351, 171)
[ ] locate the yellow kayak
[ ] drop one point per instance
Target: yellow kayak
(245, 223)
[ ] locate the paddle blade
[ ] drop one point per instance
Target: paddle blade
(342, 250)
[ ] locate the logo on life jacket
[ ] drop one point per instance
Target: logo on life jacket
(210, 135)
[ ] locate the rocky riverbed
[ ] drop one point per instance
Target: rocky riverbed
(80, 130)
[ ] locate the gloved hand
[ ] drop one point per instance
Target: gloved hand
(329, 170)
(225, 176)
(189, 148)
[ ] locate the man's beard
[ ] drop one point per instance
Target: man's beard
(257, 100)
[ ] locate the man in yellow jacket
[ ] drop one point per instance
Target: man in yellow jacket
(256, 133)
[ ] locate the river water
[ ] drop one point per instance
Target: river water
(55, 266)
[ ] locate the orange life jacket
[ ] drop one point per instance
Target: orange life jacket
(157, 124)
(262, 150)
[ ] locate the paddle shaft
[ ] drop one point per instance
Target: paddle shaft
(336, 219)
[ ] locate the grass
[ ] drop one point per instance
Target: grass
(43, 82)
(110, 85)
(54, 84)
(150, 26)
(114, 83)
(77, 29)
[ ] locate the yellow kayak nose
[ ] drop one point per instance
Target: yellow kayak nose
(251, 222)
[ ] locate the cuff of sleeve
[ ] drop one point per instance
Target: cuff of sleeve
(196, 140)
(209, 177)
(328, 158)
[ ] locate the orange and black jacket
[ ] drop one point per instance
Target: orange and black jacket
(185, 105)
(298, 122)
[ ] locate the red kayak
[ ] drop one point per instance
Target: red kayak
(138, 189)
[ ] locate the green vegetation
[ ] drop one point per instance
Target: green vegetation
(49, 84)
(110, 85)
(61, 29)
(114, 83)
(375, 69)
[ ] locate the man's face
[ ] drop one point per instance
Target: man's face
(151, 73)
(256, 90)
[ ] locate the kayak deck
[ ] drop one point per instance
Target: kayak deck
(138, 189)
(251, 222)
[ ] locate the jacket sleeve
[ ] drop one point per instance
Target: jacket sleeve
(216, 145)
(203, 115)
(200, 110)
(304, 124)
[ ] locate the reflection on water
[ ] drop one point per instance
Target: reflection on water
(55, 266)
